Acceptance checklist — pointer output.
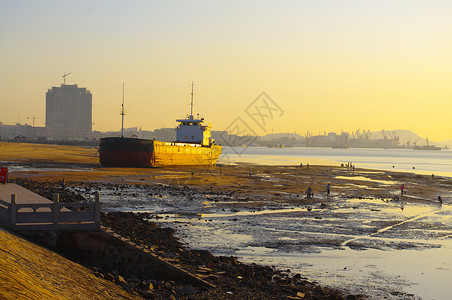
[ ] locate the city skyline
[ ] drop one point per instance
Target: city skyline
(329, 66)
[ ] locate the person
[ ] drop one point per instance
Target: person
(309, 193)
(301, 165)
(62, 184)
(328, 189)
(402, 187)
(250, 174)
(440, 200)
(307, 166)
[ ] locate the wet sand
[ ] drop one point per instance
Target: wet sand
(61, 161)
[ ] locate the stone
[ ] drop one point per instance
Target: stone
(146, 294)
(187, 290)
(301, 295)
(125, 286)
(168, 286)
(110, 277)
(120, 279)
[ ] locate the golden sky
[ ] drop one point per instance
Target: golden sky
(329, 65)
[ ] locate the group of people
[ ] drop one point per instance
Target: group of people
(310, 193)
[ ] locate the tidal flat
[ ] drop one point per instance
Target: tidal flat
(363, 238)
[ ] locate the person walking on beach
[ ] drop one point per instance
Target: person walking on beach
(309, 193)
(402, 187)
(328, 189)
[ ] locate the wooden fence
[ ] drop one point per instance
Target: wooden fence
(50, 216)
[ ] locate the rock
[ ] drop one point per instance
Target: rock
(187, 290)
(120, 279)
(168, 286)
(125, 286)
(110, 277)
(147, 294)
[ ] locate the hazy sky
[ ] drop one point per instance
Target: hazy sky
(329, 65)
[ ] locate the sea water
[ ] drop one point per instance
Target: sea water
(425, 162)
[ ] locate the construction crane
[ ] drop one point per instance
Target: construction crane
(64, 77)
(395, 138)
(33, 118)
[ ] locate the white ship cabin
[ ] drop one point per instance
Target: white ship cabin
(191, 130)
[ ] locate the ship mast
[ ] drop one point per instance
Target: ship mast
(191, 105)
(122, 112)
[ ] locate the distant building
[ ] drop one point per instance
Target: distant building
(68, 112)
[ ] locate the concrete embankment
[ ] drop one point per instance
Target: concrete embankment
(28, 271)
(109, 251)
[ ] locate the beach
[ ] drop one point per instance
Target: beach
(260, 213)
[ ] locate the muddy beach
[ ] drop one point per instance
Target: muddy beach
(267, 219)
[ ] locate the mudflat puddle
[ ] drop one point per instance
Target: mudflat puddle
(375, 247)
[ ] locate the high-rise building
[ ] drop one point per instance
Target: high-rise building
(68, 112)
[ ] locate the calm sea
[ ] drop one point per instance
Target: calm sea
(404, 160)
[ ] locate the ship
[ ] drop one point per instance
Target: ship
(193, 146)
(426, 147)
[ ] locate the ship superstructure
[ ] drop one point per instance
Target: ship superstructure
(191, 130)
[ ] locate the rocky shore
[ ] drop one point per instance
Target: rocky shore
(231, 278)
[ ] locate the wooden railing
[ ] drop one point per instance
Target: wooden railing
(50, 216)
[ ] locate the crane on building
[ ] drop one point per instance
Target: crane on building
(64, 77)
(33, 118)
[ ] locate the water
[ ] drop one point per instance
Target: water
(405, 160)
(342, 245)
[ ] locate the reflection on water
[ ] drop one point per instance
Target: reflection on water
(398, 250)
(362, 178)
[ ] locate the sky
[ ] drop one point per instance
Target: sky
(327, 65)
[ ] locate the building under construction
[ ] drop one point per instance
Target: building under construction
(68, 112)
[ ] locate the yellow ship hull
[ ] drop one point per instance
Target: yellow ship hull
(180, 154)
